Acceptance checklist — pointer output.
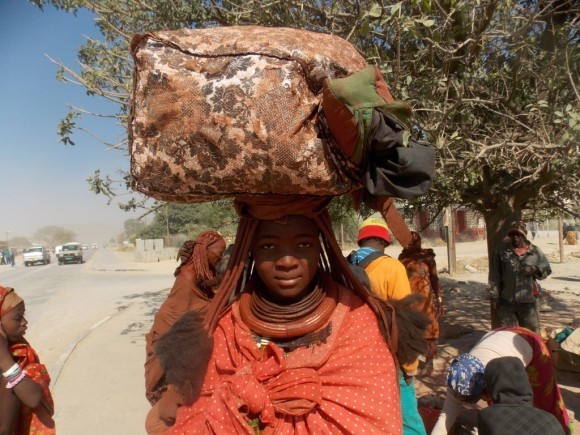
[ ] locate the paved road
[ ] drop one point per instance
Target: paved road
(87, 323)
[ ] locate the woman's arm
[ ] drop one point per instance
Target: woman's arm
(434, 279)
(449, 414)
(494, 281)
(543, 265)
(9, 408)
(27, 391)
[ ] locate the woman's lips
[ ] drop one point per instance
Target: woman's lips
(287, 282)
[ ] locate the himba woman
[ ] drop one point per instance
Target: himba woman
(196, 280)
(26, 405)
(422, 272)
(303, 348)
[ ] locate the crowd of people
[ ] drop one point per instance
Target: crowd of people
(302, 340)
(292, 337)
(7, 257)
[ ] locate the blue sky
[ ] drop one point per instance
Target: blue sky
(42, 181)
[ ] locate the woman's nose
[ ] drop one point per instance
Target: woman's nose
(287, 261)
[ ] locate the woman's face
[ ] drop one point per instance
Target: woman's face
(215, 252)
(14, 323)
(517, 240)
(286, 256)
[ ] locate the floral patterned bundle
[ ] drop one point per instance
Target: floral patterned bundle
(231, 111)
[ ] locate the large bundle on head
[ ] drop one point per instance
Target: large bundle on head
(234, 110)
(282, 120)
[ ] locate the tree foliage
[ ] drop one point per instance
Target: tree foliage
(53, 235)
(19, 242)
(493, 83)
(132, 228)
(191, 219)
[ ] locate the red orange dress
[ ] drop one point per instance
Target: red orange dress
(346, 384)
(39, 420)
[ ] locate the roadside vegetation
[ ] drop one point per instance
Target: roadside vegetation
(494, 86)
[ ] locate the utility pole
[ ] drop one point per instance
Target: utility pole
(451, 254)
(167, 219)
(561, 239)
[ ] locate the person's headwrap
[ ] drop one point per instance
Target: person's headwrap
(252, 210)
(466, 375)
(196, 251)
(8, 300)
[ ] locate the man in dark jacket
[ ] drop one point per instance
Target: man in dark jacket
(512, 411)
(515, 268)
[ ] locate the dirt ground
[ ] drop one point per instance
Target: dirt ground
(467, 319)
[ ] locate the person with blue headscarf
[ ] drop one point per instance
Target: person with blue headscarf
(466, 376)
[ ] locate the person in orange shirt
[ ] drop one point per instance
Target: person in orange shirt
(388, 280)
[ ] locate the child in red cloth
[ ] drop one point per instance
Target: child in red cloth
(26, 406)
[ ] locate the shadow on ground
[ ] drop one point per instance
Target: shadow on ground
(148, 303)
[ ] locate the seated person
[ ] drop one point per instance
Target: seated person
(466, 381)
(512, 410)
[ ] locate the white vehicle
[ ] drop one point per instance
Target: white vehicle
(36, 254)
(70, 253)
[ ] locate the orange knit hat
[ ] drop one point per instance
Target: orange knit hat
(374, 227)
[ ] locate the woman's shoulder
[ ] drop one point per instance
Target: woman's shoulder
(358, 315)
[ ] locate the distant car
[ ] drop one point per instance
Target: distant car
(70, 253)
(85, 247)
(95, 246)
(36, 254)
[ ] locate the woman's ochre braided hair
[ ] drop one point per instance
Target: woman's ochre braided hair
(195, 251)
(403, 328)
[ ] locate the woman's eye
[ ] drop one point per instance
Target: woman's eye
(268, 246)
(305, 245)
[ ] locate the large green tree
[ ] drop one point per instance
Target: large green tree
(494, 83)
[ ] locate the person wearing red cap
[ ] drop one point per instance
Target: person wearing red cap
(388, 280)
(387, 275)
(514, 270)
